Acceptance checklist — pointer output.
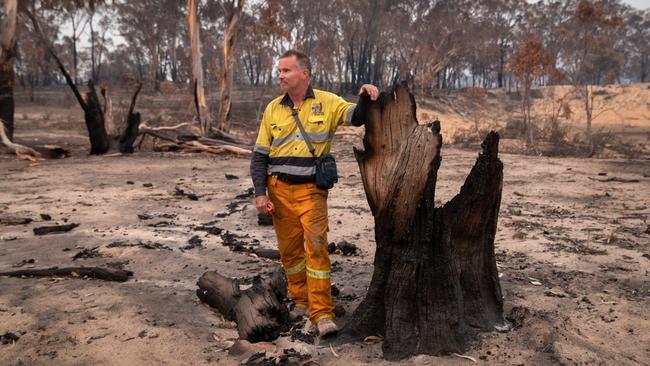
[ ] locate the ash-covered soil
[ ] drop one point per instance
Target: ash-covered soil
(573, 252)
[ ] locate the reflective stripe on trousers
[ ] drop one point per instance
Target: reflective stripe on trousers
(300, 223)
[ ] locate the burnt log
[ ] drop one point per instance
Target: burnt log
(435, 284)
(44, 230)
(106, 274)
(259, 311)
(267, 253)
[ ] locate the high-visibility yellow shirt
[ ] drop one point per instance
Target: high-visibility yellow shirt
(280, 138)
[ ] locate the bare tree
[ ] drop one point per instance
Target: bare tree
(590, 53)
(78, 19)
(148, 24)
(529, 63)
(637, 44)
(8, 11)
(99, 42)
(197, 68)
(232, 14)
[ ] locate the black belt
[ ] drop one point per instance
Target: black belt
(294, 179)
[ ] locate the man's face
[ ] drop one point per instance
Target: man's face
(292, 75)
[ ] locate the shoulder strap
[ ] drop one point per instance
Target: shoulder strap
(304, 134)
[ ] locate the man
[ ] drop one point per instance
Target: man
(283, 164)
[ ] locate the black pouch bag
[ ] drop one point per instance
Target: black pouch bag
(326, 174)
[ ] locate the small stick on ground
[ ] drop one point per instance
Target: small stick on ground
(107, 274)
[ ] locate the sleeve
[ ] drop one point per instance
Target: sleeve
(260, 159)
(360, 112)
(343, 111)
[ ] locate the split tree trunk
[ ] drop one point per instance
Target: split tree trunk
(7, 60)
(132, 129)
(233, 10)
(94, 117)
(258, 311)
(435, 285)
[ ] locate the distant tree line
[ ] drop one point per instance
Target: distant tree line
(431, 44)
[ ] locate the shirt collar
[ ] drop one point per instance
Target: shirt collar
(286, 100)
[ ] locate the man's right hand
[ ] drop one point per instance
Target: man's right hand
(264, 205)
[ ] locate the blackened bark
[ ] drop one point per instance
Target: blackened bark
(99, 141)
(132, 126)
(7, 91)
(94, 116)
(8, 10)
(107, 274)
(259, 311)
(435, 285)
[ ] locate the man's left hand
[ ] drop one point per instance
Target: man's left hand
(369, 89)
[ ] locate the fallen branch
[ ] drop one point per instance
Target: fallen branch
(267, 253)
(14, 220)
(193, 143)
(107, 274)
(222, 135)
(54, 229)
(145, 126)
(23, 152)
(32, 154)
(218, 142)
(199, 147)
(615, 179)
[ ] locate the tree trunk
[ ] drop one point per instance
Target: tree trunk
(233, 15)
(258, 311)
(435, 285)
(589, 108)
(197, 69)
(94, 117)
(93, 61)
(132, 129)
(109, 123)
(7, 60)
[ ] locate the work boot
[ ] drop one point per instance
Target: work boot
(298, 312)
(327, 327)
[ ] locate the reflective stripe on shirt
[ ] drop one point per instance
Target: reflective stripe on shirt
(293, 170)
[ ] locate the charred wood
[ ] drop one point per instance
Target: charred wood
(107, 274)
(259, 311)
(435, 284)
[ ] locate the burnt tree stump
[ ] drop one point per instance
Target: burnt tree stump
(94, 117)
(259, 311)
(435, 284)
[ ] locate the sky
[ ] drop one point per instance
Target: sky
(639, 4)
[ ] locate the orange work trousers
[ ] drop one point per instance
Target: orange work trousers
(300, 223)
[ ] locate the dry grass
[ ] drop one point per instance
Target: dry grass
(621, 125)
